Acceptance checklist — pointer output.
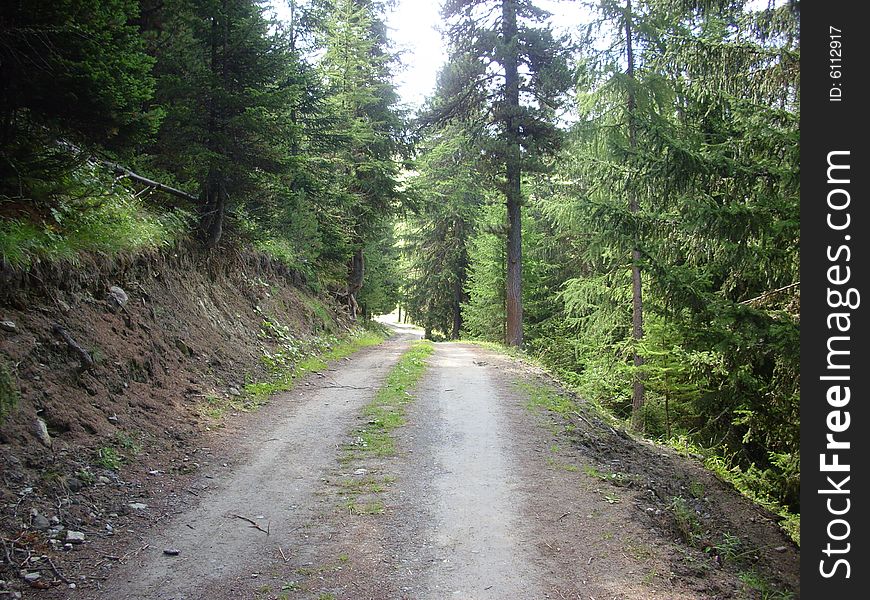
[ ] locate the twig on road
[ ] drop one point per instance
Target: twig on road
(343, 387)
(252, 522)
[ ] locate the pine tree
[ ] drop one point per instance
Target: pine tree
(357, 65)
(449, 192)
(506, 78)
(223, 84)
(74, 71)
(712, 159)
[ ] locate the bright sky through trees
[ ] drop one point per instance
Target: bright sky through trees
(414, 29)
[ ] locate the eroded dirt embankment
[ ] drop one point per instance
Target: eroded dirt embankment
(124, 363)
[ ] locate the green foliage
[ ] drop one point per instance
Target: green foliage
(686, 520)
(290, 140)
(128, 443)
(109, 458)
(448, 192)
(762, 486)
(286, 137)
(717, 228)
(380, 290)
(506, 78)
(356, 68)
(91, 215)
(291, 358)
(74, 66)
(547, 398)
(484, 314)
(762, 587)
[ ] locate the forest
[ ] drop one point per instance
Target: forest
(620, 204)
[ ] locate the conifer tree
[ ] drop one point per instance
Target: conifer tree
(449, 191)
(504, 82)
(71, 70)
(222, 82)
(357, 68)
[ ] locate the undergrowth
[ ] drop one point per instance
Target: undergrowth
(8, 392)
(294, 358)
(289, 359)
(747, 482)
(743, 481)
(726, 549)
(89, 214)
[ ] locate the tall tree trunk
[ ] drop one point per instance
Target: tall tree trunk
(513, 198)
(355, 280)
(457, 309)
(427, 331)
(639, 391)
(214, 191)
(211, 221)
(461, 274)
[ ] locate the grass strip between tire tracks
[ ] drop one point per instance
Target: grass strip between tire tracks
(386, 411)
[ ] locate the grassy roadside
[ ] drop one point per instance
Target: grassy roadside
(564, 405)
(291, 362)
(319, 352)
(721, 547)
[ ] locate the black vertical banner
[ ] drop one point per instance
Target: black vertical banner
(835, 299)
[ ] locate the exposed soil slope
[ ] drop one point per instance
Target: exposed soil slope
(189, 331)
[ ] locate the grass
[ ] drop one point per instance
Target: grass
(730, 548)
(742, 482)
(90, 214)
(124, 447)
(320, 311)
(384, 414)
(561, 466)
(86, 476)
(616, 478)
(375, 507)
(638, 550)
(548, 398)
(286, 368)
(765, 590)
(366, 485)
(109, 458)
(292, 360)
(285, 374)
(128, 443)
(686, 520)
(386, 411)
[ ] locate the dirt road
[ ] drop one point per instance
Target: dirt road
(273, 477)
(484, 499)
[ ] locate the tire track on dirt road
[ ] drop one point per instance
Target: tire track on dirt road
(476, 530)
(275, 478)
(491, 502)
